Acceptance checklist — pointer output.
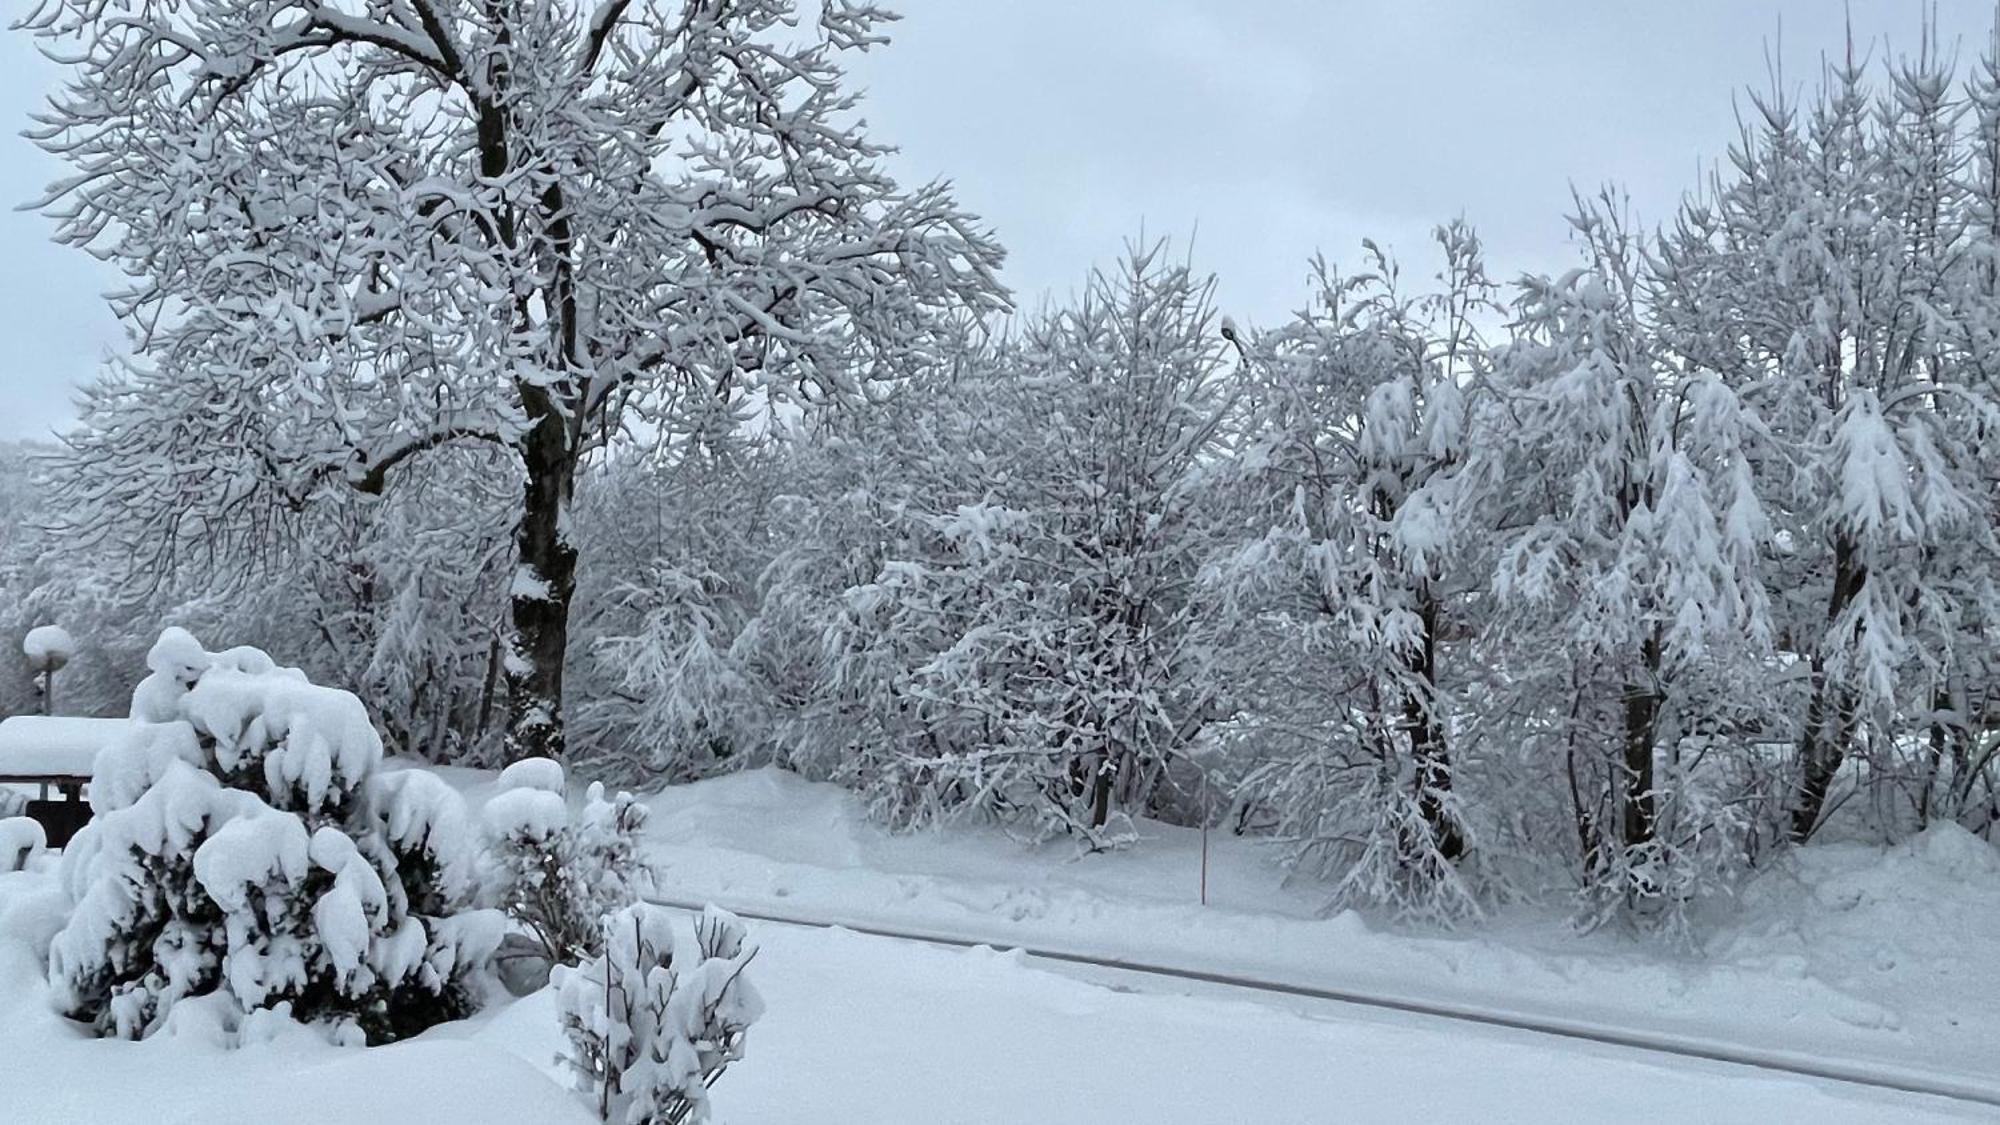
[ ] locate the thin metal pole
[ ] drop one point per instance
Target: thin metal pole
(1204, 837)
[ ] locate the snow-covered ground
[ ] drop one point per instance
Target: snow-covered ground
(1864, 953)
(1871, 954)
(870, 1031)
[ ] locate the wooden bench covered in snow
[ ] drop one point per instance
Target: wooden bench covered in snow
(56, 753)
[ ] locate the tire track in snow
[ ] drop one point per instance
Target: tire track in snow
(1651, 1042)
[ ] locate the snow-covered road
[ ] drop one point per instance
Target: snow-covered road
(1324, 1003)
(872, 1030)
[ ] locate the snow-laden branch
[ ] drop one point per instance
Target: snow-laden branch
(369, 473)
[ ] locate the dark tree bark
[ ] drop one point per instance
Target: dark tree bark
(1427, 737)
(1100, 791)
(1829, 725)
(543, 589)
(1642, 720)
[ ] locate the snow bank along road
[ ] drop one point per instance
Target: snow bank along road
(1122, 972)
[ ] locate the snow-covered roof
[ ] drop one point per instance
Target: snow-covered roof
(53, 746)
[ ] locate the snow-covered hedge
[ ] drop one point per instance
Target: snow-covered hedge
(246, 844)
(654, 1019)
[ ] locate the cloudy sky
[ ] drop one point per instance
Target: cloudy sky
(1259, 131)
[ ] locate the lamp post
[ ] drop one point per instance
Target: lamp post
(48, 648)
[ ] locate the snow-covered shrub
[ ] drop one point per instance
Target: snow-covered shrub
(558, 874)
(246, 845)
(428, 833)
(655, 1018)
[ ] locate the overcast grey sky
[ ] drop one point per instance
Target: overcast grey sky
(1268, 129)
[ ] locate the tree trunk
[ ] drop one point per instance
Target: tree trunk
(1427, 740)
(1950, 738)
(543, 587)
(1100, 790)
(1642, 710)
(1642, 718)
(1830, 715)
(545, 574)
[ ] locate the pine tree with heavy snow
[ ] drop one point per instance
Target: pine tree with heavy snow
(670, 203)
(247, 845)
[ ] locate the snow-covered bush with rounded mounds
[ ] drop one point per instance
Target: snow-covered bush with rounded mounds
(558, 874)
(655, 1018)
(246, 844)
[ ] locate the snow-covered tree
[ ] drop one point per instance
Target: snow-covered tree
(399, 599)
(832, 645)
(47, 578)
(362, 234)
(246, 844)
(1629, 619)
(1958, 643)
(1832, 282)
(1012, 631)
(678, 541)
(1366, 484)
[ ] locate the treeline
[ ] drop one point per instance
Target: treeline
(1623, 578)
